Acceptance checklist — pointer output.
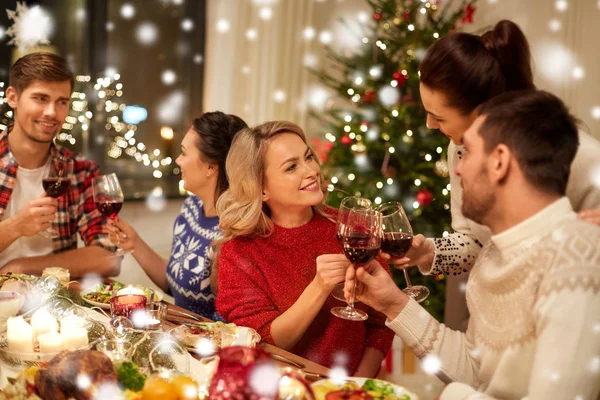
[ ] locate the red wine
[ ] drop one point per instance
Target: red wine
(109, 208)
(358, 247)
(396, 244)
(56, 187)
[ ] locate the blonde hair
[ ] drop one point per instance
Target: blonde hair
(240, 208)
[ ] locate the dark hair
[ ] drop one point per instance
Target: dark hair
(541, 132)
(471, 69)
(215, 133)
(39, 66)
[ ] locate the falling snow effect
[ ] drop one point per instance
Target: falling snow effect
(170, 110)
(431, 364)
(146, 33)
(389, 96)
(156, 200)
(168, 77)
(264, 379)
(31, 26)
(127, 11)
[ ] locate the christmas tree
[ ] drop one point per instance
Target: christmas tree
(377, 144)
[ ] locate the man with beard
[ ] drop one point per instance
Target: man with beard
(534, 291)
(39, 93)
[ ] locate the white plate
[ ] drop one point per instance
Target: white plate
(159, 294)
(398, 390)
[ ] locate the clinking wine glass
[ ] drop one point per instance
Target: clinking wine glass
(347, 204)
(397, 236)
(108, 198)
(361, 240)
(56, 185)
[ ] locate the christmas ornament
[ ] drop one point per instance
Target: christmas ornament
(400, 78)
(322, 148)
(345, 140)
(376, 16)
(406, 16)
(424, 197)
(467, 17)
(369, 96)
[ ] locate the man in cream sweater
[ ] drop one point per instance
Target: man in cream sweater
(534, 291)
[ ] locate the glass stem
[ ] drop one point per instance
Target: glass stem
(408, 285)
(351, 302)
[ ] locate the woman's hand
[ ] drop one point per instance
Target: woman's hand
(331, 270)
(592, 216)
(421, 252)
(122, 234)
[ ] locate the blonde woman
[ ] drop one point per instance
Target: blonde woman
(280, 258)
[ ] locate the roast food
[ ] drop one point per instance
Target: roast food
(58, 380)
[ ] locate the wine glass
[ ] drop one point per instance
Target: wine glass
(347, 204)
(108, 198)
(361, 240)
(56, 185)
(397, 236)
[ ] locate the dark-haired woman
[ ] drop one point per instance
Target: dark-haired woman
(460, 72)
(186, 274)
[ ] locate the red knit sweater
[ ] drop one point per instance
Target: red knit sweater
(260, 278)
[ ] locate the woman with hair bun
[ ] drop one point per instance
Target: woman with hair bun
(186, 274)
(459, 73)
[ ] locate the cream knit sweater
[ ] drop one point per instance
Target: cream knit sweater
(457, 252)
(534, 299)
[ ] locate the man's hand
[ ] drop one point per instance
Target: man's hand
(421, 252)
(592, 216)
(376, 289)
(36, 216)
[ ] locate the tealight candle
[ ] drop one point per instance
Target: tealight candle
(51, 342)
(20, 335)
(42, 322)
(70, 322)
(75, 338)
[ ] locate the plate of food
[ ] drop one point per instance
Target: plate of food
(100, 295)
(360, 389)
(205, 338)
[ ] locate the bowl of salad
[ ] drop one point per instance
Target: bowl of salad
(101, 294)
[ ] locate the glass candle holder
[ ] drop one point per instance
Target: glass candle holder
(63, 274)
(125, 305)
(115, 350)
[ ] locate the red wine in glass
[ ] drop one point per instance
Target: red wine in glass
(56, 187)
(396, 244)
(396, 240)
(358, 248)
(109, 208)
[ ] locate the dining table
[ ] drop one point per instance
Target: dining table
(176, 316)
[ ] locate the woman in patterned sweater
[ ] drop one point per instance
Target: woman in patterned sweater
(186, 274)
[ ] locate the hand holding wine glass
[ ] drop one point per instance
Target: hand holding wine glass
(397, 239)
(56, 185)
(108, 198)
(361, 240)
(347, 204)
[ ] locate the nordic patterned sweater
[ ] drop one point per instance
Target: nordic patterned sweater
(188, 271)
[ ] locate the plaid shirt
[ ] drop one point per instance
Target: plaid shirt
(76, 210)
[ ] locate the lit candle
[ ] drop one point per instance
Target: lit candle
(75, 338)
(42, 322)
(20, 335)
(130, 290)
(50, 342)
(71, 322)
